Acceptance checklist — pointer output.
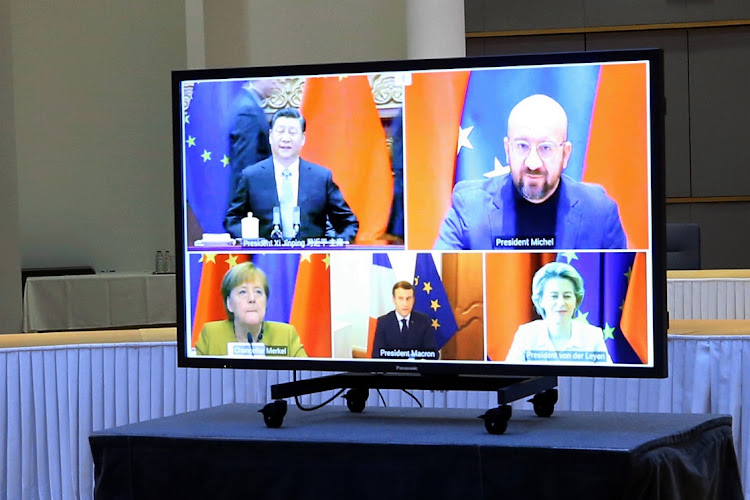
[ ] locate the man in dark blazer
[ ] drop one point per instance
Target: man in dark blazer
(534, 206)
(404, 333)
(248, 128)
(261, 188)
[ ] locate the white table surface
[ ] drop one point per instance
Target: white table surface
(104, 300)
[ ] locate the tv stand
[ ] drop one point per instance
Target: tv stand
(508, 389)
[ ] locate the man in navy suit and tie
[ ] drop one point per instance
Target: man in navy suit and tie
(303, 193)
(404, 333)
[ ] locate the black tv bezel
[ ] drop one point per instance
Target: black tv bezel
(658, 218)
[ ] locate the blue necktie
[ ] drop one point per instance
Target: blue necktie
(404, 328)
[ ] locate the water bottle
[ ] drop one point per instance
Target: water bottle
(159, 264)
(168, 262)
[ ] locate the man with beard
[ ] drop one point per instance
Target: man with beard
(535, 206)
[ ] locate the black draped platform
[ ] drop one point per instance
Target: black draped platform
(392, 453)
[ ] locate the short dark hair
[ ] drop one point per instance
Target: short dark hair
(289, 113)
(404, 285)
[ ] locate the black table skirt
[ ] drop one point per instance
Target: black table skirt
(391, 453)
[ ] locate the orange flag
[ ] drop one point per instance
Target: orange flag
(432, 117)
(634, 322)
(210, 306)
(311, 309)
(344, 133)
(508, 299)
(617, 157)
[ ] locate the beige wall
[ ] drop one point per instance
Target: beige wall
(85, 139)
(272, 32)
(10, 252)
(93, 129)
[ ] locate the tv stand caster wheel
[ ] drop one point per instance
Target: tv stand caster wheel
(356, 399)
(544, 403)
(273, 414)
(496, 419)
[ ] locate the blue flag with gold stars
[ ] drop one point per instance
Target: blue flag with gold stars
(430, 298)
(491, 94)
(206, 115)
(606, 277)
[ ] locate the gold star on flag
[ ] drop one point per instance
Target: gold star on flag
(435, 324)
(416, 281)
(206, 156)
(434, 305)
(463, 138)
(569, 255)
(191, 141)
(305, 257)
(427, 287)
(225, 160)
(582, 317)
(208, 257)
(627, 274)
(608, 332)
(327, 260)
(187, 119)
(231, 260)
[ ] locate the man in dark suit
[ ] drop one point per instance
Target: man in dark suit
(248, 128)
(404, 333)
(534, 206)
(304, 194)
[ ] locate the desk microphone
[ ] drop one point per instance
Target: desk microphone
(295, 222)
(276, 233)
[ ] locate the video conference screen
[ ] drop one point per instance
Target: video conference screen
(497, 215)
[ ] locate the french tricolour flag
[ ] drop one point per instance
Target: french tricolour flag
(382, 279)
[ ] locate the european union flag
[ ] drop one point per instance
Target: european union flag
(490, 96)
(281, 271)
(206, 148)
(431, 299)
(606, 277)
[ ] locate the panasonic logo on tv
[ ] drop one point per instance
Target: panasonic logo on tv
(406, 368)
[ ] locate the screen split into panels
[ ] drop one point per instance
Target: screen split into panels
(499, 215)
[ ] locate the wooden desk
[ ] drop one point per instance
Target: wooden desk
(106, 300)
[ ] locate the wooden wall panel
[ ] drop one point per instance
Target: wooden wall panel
(463, 278)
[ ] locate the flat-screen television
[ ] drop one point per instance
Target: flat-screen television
(481, 215)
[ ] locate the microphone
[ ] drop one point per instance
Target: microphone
(276, 233)
(295, 222)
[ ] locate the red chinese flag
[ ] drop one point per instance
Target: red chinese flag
(210, 306)
(344, 133)
(509, 305)
(617, 156)
(432, 117)
(311, 309)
